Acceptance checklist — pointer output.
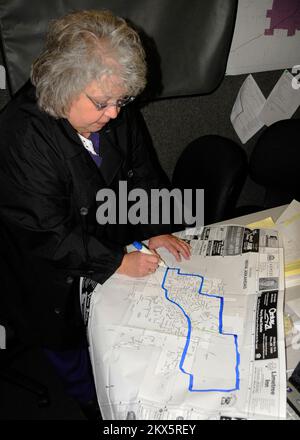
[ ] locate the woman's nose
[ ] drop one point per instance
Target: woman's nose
(112, 111)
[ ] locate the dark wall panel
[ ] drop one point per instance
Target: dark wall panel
(187, 42)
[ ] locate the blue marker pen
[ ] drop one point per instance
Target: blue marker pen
(143, 248)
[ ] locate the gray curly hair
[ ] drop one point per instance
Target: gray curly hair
(80, 48)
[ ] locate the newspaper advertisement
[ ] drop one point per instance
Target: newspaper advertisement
(200, 339)
(230, 240)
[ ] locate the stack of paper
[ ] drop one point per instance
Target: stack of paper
(288, 225)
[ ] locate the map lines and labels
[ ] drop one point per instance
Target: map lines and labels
(189, 330)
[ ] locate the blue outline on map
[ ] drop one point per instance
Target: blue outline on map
(191, 377)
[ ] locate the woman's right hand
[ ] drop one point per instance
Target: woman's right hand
(137, 264)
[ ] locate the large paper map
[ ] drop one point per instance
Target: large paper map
(199, 340)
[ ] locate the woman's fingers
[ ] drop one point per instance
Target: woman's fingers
(174, 245)
(183, 247)
(137, 264)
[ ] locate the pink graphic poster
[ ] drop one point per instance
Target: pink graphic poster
(266, 36)
(285, 14)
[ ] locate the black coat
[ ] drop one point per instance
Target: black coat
(47, 241)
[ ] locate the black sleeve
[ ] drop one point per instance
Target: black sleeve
(147, 172)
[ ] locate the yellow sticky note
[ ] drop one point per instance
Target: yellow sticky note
(264, 223)
(292, 268)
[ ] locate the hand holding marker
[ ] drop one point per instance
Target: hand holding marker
(145, 250)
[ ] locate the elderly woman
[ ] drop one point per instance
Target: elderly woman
(66, 135)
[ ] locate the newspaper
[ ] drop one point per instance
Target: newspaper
(202, 339)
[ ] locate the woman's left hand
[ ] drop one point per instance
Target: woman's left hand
(175, 245)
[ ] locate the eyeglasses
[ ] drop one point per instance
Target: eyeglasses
(119, 102)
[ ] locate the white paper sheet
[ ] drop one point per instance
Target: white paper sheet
(246, 109)
(295, 306)
(282, 102)
(288, 224)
